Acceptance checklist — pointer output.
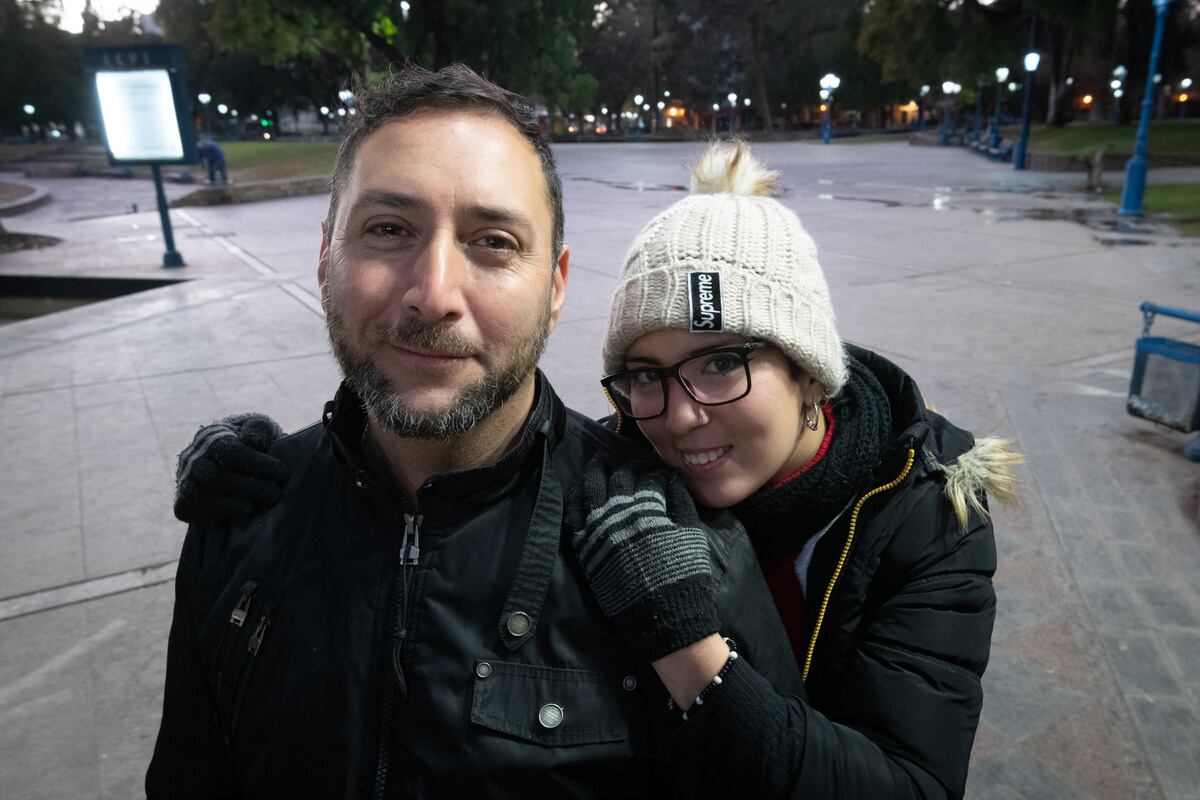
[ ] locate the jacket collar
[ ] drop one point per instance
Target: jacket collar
(914, 425)
(345, 421)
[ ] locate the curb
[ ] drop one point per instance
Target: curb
(27, 203)
(253, 192)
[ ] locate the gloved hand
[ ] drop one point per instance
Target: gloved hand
(646, 554)
(226, 474)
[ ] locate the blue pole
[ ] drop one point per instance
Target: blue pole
(827, 124)
(1023, 142)
(944, 137)
(1138, 166)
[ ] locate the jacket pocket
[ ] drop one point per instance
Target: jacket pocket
(242, 637)
(552, 706)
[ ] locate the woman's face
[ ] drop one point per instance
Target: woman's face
(726, 453)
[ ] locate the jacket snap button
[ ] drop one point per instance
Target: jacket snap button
(518, 623)
(483, 669)
(629, 684)
(551, 715)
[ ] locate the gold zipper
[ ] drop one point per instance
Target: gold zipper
(812, 643)
(616, 408)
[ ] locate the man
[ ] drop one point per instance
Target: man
(411, 620)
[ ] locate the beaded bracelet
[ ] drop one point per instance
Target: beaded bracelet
(717, 680)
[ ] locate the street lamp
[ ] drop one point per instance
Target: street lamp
(1184, 85)
(734, 116)
(949, 89)
(829, 84)
(205, 98)
(28, 109)
(1031, 64)
(1118, 91)
(1001, 77)
(405, 7)
(921, 106)
(1135, 170)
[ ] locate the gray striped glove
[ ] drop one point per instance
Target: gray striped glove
(646, 555)
(226, 474)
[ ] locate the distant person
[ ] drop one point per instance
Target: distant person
(868, 510)
(212, 155)
(410, 619)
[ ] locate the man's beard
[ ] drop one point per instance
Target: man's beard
(472, 405)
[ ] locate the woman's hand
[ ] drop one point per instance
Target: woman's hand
(646, 555)
(226, 474)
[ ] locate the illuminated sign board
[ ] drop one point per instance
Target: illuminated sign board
(144, 107)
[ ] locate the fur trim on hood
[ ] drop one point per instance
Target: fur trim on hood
(985, 468)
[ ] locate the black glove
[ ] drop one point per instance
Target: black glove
(645, 553)
(225, 473)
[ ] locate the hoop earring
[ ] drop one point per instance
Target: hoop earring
(813, 423)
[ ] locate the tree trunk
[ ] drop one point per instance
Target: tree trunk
(1062, 47)
(756, 67)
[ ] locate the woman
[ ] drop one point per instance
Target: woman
(867, 510)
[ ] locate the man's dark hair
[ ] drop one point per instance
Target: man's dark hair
(458, 88)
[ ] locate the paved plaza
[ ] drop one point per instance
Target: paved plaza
(1012, 298)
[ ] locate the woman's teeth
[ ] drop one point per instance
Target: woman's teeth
(697, 459)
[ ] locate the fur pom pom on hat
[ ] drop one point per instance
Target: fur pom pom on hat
(729, 258)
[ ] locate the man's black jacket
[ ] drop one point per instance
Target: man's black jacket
(309, 657)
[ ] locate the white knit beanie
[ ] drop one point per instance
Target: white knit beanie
(729, 259)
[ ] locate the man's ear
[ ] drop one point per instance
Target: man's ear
(558, 285)
(323, 257)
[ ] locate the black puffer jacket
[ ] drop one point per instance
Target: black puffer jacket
(900, 611)
(306, 660)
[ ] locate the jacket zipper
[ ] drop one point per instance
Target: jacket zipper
(236, 619)
(409, 556)
(837, 571)
(252, 649)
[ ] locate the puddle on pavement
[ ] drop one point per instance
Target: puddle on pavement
(875, 200)
(636, 186)
(1122, 242)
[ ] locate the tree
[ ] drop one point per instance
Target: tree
(40, 65)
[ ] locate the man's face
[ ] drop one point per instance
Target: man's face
(438, 278)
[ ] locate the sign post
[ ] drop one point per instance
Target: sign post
(144, 107)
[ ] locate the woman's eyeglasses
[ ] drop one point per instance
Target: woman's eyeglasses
(712, 378)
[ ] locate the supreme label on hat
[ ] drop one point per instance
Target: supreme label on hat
(704, 301)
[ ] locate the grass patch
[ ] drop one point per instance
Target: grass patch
(1082, 139)
(14, 191)
(265, 161)
(1179, 203)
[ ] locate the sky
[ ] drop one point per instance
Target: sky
(72, 19)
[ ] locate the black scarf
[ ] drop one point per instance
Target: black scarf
(781, 520)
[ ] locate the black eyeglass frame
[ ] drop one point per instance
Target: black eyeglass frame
(742, 350)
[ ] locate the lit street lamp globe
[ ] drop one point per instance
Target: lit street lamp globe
(28, 109)
(205, 98)
(1032, 59)
(1001, 74)
(637, 99)
(732, 98)
(222, 108)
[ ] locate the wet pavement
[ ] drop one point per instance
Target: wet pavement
(1011, 298)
